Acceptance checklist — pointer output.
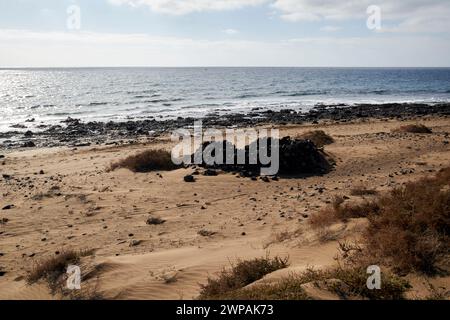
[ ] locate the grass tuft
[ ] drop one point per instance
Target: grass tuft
(243, 273)
(51, 269)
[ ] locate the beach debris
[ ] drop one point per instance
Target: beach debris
(8, 207)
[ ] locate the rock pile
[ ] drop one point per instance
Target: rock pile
(296, 157)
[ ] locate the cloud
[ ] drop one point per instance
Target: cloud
(78, 49)
(397, 16)
(330, 28)
(181, 7)
(231, 32)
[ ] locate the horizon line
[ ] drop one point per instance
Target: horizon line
(199, 67)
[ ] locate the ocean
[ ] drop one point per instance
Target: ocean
(117, 94)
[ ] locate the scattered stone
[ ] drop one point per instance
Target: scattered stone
(155, 221)
(29, 144)
(210, 173)
(189, 178)
(135, 242)
(28, 134)
(8, 207)
(206, 233)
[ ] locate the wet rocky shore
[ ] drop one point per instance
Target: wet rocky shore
(75, 133)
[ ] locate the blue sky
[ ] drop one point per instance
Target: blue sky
(224, 33)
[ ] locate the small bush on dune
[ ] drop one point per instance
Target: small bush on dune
(362, 191)
(318, 137)
(412, 228)
(339, 211)
(413, 128)
(345, 282)
(53, 268)
(240, 275)
(147, 161)
(409, 227)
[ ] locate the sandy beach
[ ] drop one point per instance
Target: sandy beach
(61, 198)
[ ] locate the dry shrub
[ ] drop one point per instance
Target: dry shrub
(318, 137)
(243, 273)
(339, 211)
(53, 268)
(409, 227)
(150, 160)
(362, 191)
(345, 282)
(411, 231)
(413, 128)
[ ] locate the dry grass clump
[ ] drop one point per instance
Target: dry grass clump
(362, 191)
(408, 228)
(413, 128)
(339, 211)
(318, 137)
(411, 231)
(150, 160)
(243, 273)
(53, 268)
(346, 283)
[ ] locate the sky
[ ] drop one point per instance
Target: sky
(309, 33)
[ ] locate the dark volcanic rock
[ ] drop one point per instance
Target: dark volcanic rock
(28, 134)
(29, 144)
(295, 157)
(189, 178)
(71, 131)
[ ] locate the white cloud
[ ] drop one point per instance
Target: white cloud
(231, 32)
(399, 16)
(330, 28)
(180, 7)
(55, 49)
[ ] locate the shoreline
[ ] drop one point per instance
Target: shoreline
(75, 133)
